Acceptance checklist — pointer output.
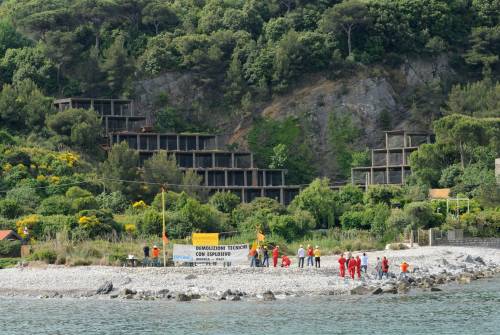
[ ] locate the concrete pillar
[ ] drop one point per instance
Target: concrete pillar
(213, 159)
(197, 142)
(138, 142)
(194, 160)
(206, 177)
(112, 107)
(431, 238)
(283, 178)
(282, 196)
(226, 178)
(232, 160)
(264, 178)
(178, 143)
(158, 142)
(245, 178)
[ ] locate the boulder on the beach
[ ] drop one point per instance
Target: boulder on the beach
(195, 296)
(190, 277)
(435, 289)
(479, 260)
(268, 296)
(183, 297)
(105, 288)
(378, 290)
(235, 298)
(469, 259)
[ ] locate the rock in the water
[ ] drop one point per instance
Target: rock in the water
(361, 290)
(403, 287)
(268, 296)
(235, 298)
(389, 289)
(105, 288)
(195, 296)
(163, 291)
(464, 279)
(435, 289)
(183, 297)
(378, 290)
(190, 277)
(127, 291)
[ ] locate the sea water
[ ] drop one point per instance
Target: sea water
(466, 309)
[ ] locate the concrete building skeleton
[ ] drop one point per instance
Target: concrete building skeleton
(220, 169)
(391, 165)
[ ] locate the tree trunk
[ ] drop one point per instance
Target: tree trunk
(462, 154)
(97, 40)
(157, 25)
(349, 39)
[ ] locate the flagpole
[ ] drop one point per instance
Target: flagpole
(163, 229)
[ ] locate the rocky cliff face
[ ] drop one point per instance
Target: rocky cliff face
(365, 97)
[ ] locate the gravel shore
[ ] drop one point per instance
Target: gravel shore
(429, 266)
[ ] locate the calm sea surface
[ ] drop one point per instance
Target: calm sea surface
(469, 309)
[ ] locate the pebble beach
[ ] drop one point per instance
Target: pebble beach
(430, 267)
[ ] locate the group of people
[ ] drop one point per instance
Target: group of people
(259, 256)
(348, 264)
(155, 259)
(356, 265)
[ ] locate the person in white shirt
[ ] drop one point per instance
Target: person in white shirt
(364, 262)
(301, 254)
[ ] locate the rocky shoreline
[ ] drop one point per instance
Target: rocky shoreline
(432, 267)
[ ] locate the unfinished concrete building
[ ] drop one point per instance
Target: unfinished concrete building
(220, 169)
(390, 165)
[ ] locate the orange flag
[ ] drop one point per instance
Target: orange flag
(165, 238)
(260, 237)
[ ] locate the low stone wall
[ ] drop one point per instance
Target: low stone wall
(470, 242)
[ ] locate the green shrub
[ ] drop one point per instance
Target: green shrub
(150, 222)
(96, 223)
(55, 205)
(25, 196)
(7, 224)
(225, 202)
(10, 208)
(84, 203)
(45, 255)
(397, 246)
(53, 224)
(319, 200)
(10, 248)
(353, 220)
(382, 194)
(114, 201)
(76, 192)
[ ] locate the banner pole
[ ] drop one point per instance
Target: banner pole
(163, 226)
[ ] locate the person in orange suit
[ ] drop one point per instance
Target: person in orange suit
(276, 254)
(358, 266)
(342, 261)
(285, 261)
(351, 266)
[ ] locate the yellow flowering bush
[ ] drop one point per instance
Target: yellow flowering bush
(139, 205)
(7, 167)
(69, 158)
(88, 222)
(41, 178)
(32, 222)
(130, 228)
(55, 179)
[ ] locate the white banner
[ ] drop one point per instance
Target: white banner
(211, 254)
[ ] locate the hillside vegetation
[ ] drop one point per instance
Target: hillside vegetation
(239, 57)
